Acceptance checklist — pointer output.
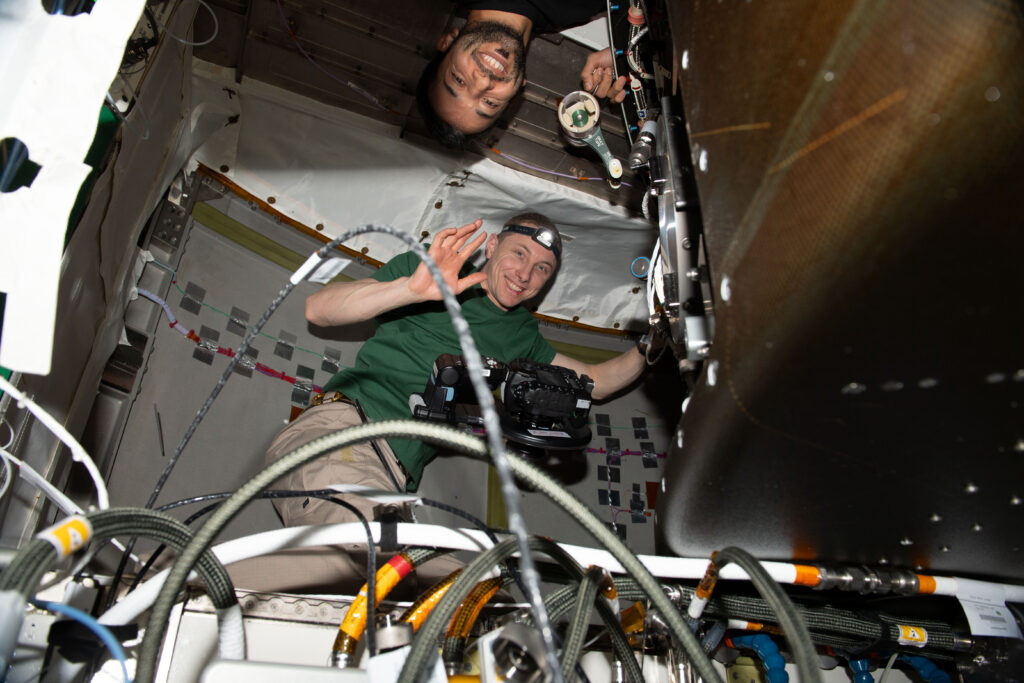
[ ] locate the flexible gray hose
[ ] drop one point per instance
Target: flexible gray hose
(826, 623)
(408, 429)
(559, 602)
(789, 618)
(424, 646)
(160, 612)
(577, 630)
(620, 643)
(630, 562)
(28, 567)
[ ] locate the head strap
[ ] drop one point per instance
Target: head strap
(545, 237)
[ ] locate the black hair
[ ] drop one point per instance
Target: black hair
(439, 129)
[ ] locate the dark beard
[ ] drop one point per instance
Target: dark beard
(511, 44)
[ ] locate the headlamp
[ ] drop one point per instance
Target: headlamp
(545, 237)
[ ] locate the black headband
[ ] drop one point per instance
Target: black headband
(545, 237)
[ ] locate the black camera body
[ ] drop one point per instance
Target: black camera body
(542, 406)
(544, 402)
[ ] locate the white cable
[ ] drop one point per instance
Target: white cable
(230, 633)
(8, 473)
(691, 568)
(10, 428)
(888, 667)
(216, 29)
(637, 36)
(654, 279)
(67, 506)
(78, 453)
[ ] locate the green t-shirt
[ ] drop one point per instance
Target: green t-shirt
(397, 360)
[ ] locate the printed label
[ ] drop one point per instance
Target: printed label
(67, 536)
(547, 432)
(984, 604)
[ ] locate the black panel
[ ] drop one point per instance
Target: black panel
(862, 199)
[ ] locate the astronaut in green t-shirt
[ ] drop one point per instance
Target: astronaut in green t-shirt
(412, 330)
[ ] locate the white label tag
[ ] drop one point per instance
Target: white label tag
(985, 607)
(547, 432)
(328, 269)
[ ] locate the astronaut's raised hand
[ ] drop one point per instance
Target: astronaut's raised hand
(450, 250)
(598, 77)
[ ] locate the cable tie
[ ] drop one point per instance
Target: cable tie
(302, 384)
(388, 531)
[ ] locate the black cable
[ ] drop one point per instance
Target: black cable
(371, 577)
(119, 573)
(482, 525)
(23, 574)
(159, 551)
(323, 494)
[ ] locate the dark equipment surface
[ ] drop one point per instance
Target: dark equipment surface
(542, 406)
(860, 171)
(546, 406)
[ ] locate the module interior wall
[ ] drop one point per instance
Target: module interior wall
(228, 446)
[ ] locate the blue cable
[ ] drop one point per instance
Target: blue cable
(768, 651)
(926, 668)
(861, 669)
(90, 622)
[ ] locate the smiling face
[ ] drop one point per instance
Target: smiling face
(517, 269)
(481, 72)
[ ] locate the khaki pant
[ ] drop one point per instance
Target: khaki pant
(329, 569)
(357, 464)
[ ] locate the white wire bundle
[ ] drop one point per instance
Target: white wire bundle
(655, 280)
(78, 453)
